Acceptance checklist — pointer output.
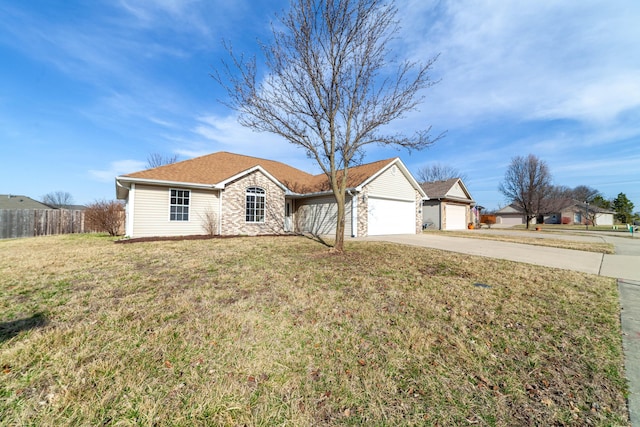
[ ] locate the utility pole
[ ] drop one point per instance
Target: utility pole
(586, 218)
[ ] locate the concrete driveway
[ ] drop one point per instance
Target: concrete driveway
(624, 265)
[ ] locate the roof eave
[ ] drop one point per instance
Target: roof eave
(121, 182)
(320, 193)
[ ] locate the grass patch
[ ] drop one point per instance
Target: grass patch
(276, 331)
(618, 228)
(534, 238)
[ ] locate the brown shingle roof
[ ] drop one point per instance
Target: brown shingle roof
(438, 189)
(12, 201)
(218, 167)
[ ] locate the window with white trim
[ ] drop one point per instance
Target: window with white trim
(254, 208)
(179, 205)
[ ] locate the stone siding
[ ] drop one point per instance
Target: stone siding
(363, 213)
(418, 212)
(233, 207)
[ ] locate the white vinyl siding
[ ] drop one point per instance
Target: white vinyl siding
(391, 217)
(457, 191)
(151, 206)
(392, 185)
(318, 216)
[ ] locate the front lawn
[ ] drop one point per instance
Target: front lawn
(278, 331)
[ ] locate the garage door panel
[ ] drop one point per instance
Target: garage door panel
(456, 217)
(510, 220)
(391, 217)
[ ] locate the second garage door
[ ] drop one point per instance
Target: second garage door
(391, 217)
(510, 220)
(456, 217)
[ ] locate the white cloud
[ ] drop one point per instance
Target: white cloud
(117, 168)
(527, 60)
(202, 20)
(225, 133)
(230, 134)
(183, 14)
(600, 101)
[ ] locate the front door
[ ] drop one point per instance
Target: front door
(288, 223)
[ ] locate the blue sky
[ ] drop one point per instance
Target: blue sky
(90, 89)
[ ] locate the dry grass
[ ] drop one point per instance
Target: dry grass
(277, 331)
(534, 238)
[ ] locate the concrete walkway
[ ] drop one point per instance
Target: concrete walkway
(624, 265)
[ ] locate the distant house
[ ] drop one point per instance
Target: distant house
(511, 215)
(76, 207)
(12, 201)
(449, 205)
(574, 212)
(561, 211)
(231, 194)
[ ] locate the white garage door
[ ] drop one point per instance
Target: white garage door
(456, 217)
(604, 219)
(510, 220)
(391, 217)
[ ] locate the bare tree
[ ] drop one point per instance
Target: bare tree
(106, 216)
(58, 199)
(330, 87)
(439, 172)
(584, 193)
(527, 183)
(556, 198)
(156, 159)
(560, 192)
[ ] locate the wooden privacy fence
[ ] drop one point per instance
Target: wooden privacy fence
(487, 219)
(16, 223)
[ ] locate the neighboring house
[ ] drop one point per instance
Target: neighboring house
(563, 211)
(574, 212)
(12, 201)
(449, 205)
(76, 207)
(231, 194)
(512, 215)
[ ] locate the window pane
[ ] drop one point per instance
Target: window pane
(254, 205)
(179, 205)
